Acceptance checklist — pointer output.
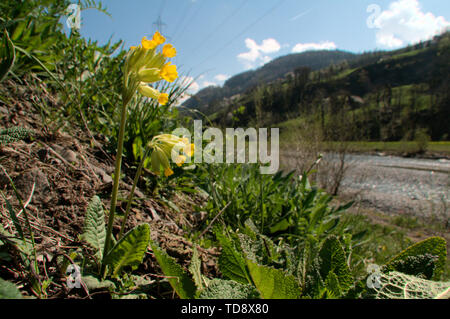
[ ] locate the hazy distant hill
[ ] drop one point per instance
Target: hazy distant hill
(205, 99)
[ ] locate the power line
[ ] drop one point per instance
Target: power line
(194, 15)
(220, 25)
(187, 9)
(242, 32)
(161, 7)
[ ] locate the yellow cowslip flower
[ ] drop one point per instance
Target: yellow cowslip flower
(167, 172)
(150, 92)
(165, 147)
(169, 51)
(189, 149)
(158, 38)
(144, 65)
(158, 159)
(180, 160)
(148, 44)
(169, 72)
(163, 98)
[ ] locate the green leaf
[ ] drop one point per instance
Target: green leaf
(178, 278)
(332, 284)
(7, 56)
(93, 283)
(231, 262)
(280, 226)
(13, 216)
(129, 250)
(332, 259)
(94, 227)
(435, 246)
(273, 283)
(9, 291)
(228, 289)
(195, 268)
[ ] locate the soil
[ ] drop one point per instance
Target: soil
(56, 173)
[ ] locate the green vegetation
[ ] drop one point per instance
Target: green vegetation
(92, 205)
(397, 148)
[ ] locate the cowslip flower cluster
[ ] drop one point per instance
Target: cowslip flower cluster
(168, 146)
(145, 64)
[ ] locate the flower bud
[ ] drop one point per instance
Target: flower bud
(148, 91)
(149, 75)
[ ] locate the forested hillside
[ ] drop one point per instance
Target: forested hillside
(376, 96)
(206, 98)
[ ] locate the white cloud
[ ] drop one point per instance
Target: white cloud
(302, 47)
(208, 83)
(404, 23)
(198, 84)
(221, 77)
(194, 87)
(257, 54)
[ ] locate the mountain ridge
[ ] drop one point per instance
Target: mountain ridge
(269, 72)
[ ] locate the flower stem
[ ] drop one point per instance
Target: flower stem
(116, 183)
(130, 197)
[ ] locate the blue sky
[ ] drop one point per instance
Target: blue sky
(216, 39)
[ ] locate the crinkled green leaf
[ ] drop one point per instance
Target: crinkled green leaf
(195, 268)
(92, 283)
(435, 246)
(228, 289)
(273, 283)
(94, 227)
(178, 278)
(332, 284)
(129, 250)
(231, 262)
(9, 291)
(332, 259)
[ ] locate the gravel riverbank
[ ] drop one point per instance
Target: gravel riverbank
(400, 185)
(395, 185)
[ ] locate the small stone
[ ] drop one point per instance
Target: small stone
(69, 155)
(24, 184)
(105, 177)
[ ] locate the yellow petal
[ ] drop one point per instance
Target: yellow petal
(158, 38)
(167, 171)
(148, 44)
(180, 160)
(163, 98)
(169, 51)
(189, 150)
(169, 72)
